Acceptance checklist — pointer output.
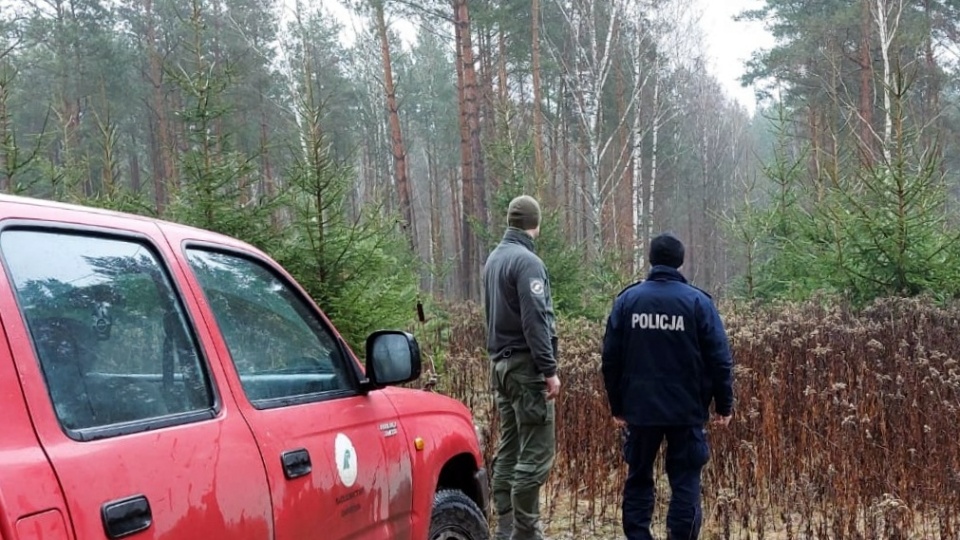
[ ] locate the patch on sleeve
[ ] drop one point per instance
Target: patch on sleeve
(536, 286)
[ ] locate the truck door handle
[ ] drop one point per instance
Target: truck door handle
(126, 516)
(296, 463)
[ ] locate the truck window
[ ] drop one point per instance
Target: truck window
(107, 327)
(282, 351)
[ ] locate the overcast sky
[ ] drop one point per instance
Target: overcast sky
(730, 43)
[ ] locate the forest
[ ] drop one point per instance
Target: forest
(349, 150)
(371, 147)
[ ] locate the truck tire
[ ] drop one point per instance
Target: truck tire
(456, 517)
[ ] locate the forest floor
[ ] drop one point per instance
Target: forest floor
(565, 524)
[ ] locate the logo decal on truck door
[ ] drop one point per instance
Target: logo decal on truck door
(346, 457)
(389, 429)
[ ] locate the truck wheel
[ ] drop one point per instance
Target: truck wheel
(456, 517)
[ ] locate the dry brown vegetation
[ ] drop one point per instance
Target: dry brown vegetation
(845, 424)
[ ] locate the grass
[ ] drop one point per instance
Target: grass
(844, 427)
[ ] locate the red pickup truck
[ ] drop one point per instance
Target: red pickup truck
(163, 382)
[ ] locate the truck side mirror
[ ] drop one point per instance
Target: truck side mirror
(393, 357)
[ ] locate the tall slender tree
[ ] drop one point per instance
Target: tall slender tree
(398, 148)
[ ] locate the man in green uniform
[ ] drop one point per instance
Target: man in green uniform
(521, 342)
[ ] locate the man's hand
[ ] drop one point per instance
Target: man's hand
(553, 387)
(620, 422)
(722, 421)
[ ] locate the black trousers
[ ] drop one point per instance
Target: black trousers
(686, 454)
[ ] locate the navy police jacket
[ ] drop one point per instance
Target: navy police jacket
(665, 354)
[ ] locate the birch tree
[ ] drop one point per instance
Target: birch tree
(886, 15)
(644, 122)
(595, 31)
(665, 39)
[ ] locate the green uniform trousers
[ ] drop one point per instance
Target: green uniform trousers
(527, 446)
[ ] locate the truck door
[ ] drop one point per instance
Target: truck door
(335, 459)
(121, 396)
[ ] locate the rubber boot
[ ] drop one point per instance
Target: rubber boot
(504, 527)
(537, 534)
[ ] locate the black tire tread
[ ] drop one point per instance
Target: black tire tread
(451, 506)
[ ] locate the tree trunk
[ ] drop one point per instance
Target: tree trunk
(567, 176)
(456, 239)
(587, 211)
(246, 189)
(485, 111)
(396, 135)
(866, 87)
(708, 161)
(164, 160)
(648, 213)
(473, 108)
(553, 189)
(8, 152)
(435, 251)
(505, 114)
(638, 194)
(217, 16)
(554, 144)
(68, 108)
(478, 210)
(887, 25)
(622, 207)
(269, 187)
(595, 31)
(538, 161)
(468, 257)
(110, 165)
(503, 94)
(932, 105)
(133, 162)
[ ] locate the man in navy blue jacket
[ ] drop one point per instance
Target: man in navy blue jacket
(665, 358)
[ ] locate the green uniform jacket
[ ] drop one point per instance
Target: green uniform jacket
(518, 304)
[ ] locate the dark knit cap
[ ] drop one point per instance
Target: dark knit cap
(523, 213)
(667, 250)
